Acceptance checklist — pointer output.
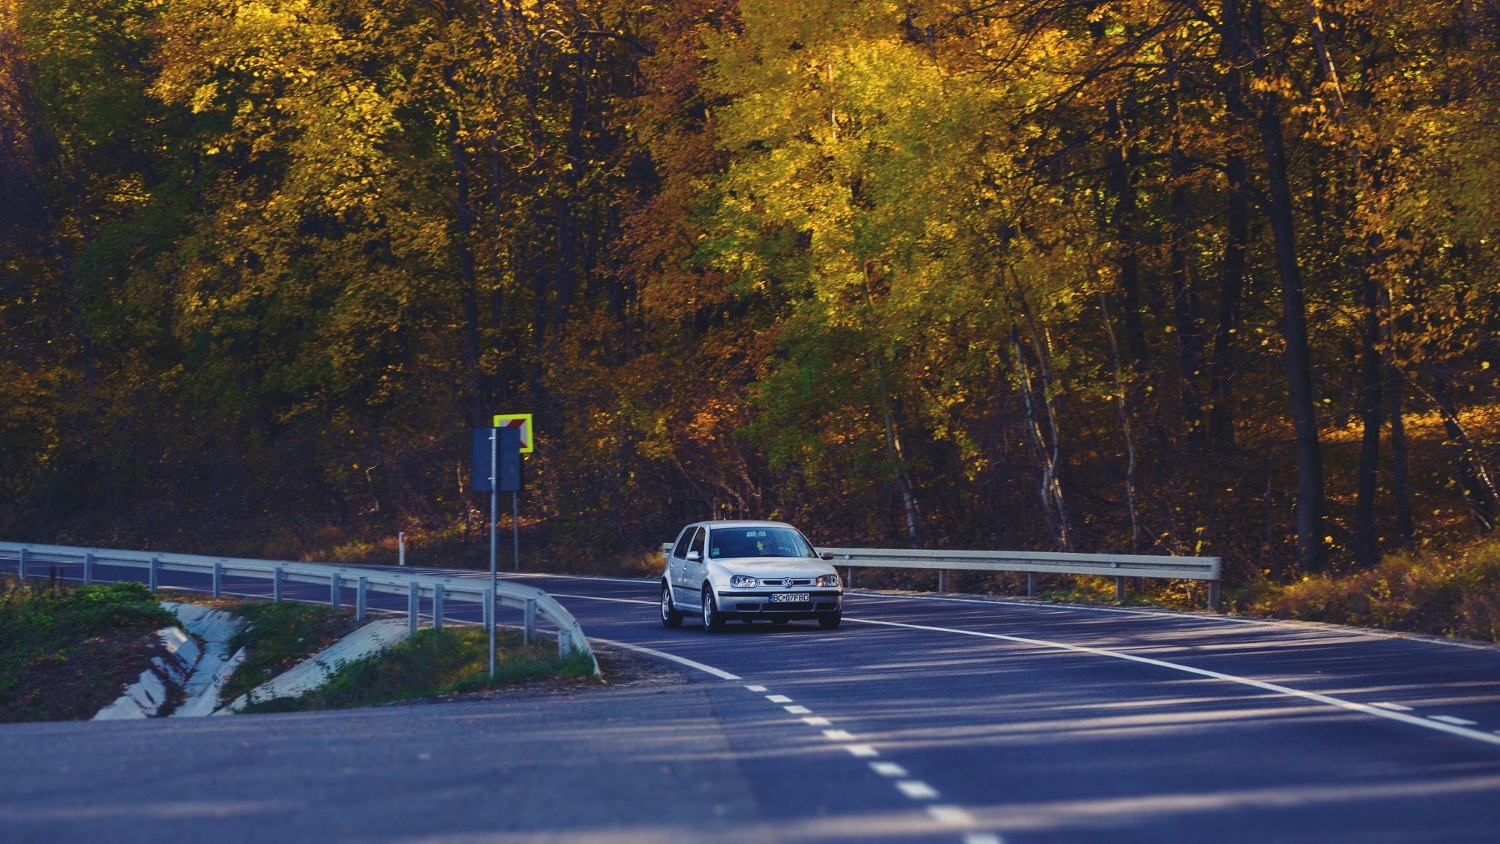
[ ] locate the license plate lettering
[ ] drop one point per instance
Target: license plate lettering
(791, 598)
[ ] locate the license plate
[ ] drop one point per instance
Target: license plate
(790, 598)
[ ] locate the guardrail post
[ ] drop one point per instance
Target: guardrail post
(1119, 589)
(359, 598)
(335, 590)
(276, 575)
(850, 571)
(529, 630)
(218, 580)
(413, 605)
(21, 564)
(88, 569)
(564, 642)
(942, 581)
(1213, 594)
(437, 607)
(153, 573)
(1031, 584)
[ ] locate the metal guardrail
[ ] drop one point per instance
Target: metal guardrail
(436, 589)
(1118, 566)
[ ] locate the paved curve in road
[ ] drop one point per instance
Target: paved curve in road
(952, 719)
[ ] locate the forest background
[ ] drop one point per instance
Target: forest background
(1163, 276)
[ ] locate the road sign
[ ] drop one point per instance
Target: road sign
(518, 420)
(507, 462)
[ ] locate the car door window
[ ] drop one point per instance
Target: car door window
(681, 550)
(698, 543)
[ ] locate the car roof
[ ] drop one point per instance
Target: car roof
(742, 523)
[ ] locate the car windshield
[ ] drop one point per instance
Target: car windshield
(729, 543)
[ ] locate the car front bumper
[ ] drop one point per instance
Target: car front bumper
(756, 603)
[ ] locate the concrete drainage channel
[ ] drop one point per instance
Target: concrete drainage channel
(201, 672)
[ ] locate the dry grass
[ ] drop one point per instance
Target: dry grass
(1443, 593)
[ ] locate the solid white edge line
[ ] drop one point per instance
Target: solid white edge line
(1339, 703)
(599, 598)
(1450, 719)
(680, 660)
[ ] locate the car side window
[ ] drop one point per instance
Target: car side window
(698, 542)
(681, 550)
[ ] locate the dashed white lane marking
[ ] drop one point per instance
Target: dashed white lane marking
(778, 698)
(838, 735)
(798, 710)
(983, 838)
(1451, 729)
(680, 660)
(1457, 722)
(955, 815)
(1393, 707)
(888, 769)
(756, 688)
(917, 790)
(816, 721)
(862, 751)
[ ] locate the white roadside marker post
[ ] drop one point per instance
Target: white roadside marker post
(401, 548)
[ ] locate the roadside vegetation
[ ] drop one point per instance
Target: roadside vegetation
(434, 663)
(67, 652)
(1448, 593)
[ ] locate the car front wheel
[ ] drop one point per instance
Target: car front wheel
(712, 621)
(670, 617)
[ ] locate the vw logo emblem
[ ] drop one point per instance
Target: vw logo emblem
(785, 582)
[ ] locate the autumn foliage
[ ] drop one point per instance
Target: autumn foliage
(1155, 276)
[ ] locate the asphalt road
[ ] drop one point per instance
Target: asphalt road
(923, 719)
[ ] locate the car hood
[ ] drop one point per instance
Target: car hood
(777, 566)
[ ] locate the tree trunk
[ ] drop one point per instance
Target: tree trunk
(1231, 288)
(1114, 356)
(1118, 167)
(1366, 544)
(1400, 486)
(1310, 538)
(1478, 487)
(463, 231)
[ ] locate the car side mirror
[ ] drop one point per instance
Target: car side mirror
(694, 556)
(827, 555)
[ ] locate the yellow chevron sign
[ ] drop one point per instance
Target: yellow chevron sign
(518, 420)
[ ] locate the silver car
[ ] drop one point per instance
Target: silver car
(748, 571)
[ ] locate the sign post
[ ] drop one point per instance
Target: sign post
(522, 423)
(497, 467)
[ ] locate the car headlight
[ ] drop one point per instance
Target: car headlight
(742, 581)
(827, 580)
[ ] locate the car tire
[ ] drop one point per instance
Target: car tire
(713, 621)
(670, 617)
(830, 621)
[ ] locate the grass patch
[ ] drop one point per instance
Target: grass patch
(278, 636)
(1451, 593)
(433, 663)
(65, 652)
